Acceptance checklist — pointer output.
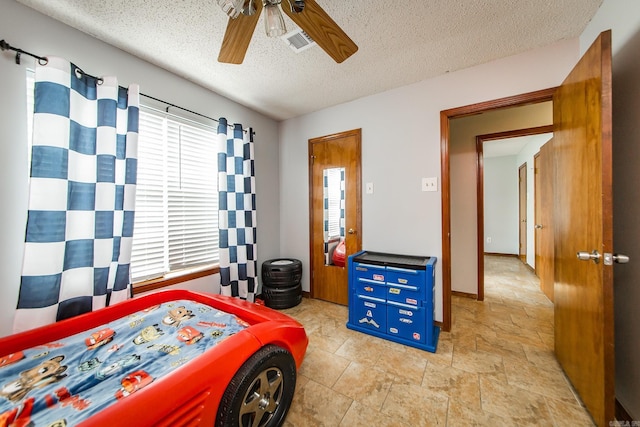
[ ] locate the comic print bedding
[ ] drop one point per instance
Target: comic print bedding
(84, 373)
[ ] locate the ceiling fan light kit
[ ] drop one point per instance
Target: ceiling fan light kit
(273, 19)
(233, 8)
(306, 14)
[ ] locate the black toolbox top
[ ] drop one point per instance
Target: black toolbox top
(393, 260)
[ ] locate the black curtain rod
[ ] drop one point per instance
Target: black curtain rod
(6, 46)
(43, 61)
(169, 104)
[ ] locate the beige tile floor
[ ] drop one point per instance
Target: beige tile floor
(495, 368)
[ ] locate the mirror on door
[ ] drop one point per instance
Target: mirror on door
(334, 203)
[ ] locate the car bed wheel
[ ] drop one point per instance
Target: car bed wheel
(260, 393)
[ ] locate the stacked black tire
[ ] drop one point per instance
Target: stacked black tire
(281, 287)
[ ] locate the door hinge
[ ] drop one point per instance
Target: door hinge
(313, 158)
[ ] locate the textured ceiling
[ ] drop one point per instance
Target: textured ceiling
(512, 146)
(400, 42)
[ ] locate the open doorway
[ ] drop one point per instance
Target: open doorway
(506, 194)
(451, 199)
(583, 296)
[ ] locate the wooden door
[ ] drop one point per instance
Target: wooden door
(583, 291)
(338, 153)
(536, 211)
(544, 217)
(522, 209)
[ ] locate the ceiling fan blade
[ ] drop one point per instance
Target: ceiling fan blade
(238, 36)
(323, 30)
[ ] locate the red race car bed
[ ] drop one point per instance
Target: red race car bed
(170, 358)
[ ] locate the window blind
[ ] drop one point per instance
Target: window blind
(150, 237)
(176, 221)
(193, 197)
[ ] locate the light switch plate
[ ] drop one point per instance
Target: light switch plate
(430, 184)
(369, 187)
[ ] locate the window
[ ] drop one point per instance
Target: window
(176, 221)
(31, 83)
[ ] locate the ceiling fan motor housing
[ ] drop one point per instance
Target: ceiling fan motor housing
(249, 8)
(308, 15)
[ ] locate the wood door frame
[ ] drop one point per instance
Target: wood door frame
(480, 140)
(536, 213)
(358, 166)
(445, 134)
(522, 249)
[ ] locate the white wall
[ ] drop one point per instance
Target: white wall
(501, 207)
(400, 145)
(623, 18)
(24, 28)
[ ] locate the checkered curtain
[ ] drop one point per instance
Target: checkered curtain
(81, 197)
(237, 212)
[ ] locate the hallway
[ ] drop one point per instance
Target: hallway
(496, 367)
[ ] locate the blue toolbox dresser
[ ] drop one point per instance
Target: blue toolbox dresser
(391, 297)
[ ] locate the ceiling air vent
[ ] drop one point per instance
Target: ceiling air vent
(298, 40)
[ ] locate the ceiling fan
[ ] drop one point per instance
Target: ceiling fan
(307, 14)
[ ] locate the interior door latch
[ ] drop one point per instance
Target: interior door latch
(609, 259)
(586, 256)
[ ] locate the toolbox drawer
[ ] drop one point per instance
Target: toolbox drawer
(370, 313)
(406, 321)
(407, 277)
(370, 271)
(406, 286)
(370, 288)
(404, 294)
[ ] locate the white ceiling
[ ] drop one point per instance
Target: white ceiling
(400, 42)
(512, 146)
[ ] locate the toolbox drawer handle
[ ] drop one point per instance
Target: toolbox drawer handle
(375, 282)
(398, 304)
(408, 288)
(377, 267)
(402, 270)
(368, 298)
